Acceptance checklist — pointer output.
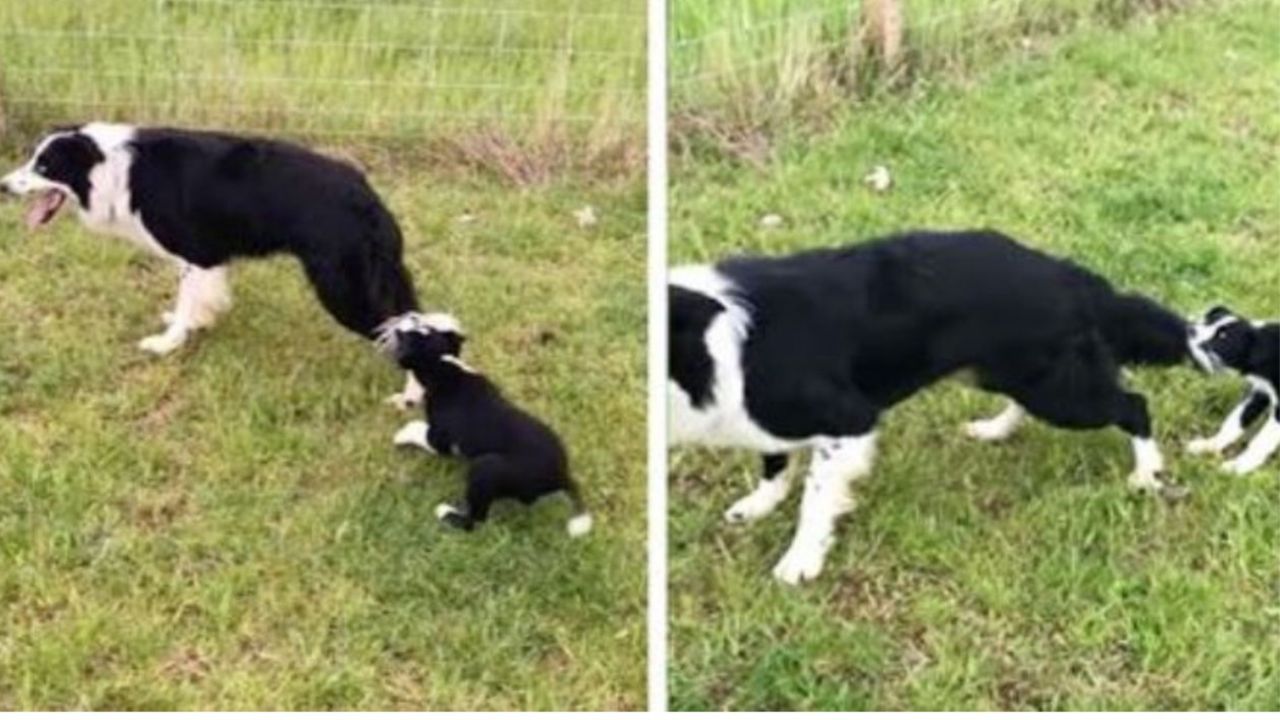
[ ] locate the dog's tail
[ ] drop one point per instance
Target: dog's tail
(1142, 332)
(580, 523)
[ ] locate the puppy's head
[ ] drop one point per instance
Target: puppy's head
(1220, 339)
(415, 338)
(57, 171)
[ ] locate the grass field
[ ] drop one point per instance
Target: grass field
(231, 528)
(1022, 575)
(558, 82)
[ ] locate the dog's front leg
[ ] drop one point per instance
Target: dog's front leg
(1262, 446)
(411, 396)
(771, 490)
(183, 319)
(836, 463)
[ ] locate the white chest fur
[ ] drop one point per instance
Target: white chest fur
(724, 420)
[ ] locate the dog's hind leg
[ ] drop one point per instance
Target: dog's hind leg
(200, 290)
(1081, 390)
(998, 427)
(1261, 447)
(835, 464)
(485, 478)
(769, 493)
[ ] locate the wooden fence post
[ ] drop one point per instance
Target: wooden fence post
(883, 21)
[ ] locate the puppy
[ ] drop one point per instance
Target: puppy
(808, 351)
(1223, 340)
(202, 199)
(510, 453)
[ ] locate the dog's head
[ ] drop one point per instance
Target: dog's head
(1221, 339)
(416, 338)
(60, 169)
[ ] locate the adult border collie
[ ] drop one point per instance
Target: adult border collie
(202, 199)
(779, 354)
(510, 453)
(1223, 340)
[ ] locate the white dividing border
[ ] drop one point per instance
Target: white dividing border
(657, 365)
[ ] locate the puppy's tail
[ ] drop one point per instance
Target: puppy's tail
(1142, 332)
(580, 523)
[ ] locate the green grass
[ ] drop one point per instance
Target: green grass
(231, 528)
(537, 72)
(759, 66)
(1022, 575)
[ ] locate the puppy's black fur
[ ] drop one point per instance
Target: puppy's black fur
(511, 454)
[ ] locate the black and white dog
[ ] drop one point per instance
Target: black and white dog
(806, 351)
(510, 453)
(202, 199)
(1223, 340)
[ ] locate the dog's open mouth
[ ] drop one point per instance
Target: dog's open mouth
(45, 208)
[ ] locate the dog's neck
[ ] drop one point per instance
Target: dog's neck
(440, 372)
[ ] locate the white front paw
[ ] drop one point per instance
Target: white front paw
(985, 430)
(1144, 482)
(163, 344)
(413, 434)
(753, 506)
(801, 563)
(1240, 466)
(1203, 446)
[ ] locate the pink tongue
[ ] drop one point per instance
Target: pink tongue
(42, 210)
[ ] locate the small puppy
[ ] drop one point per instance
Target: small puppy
(511, 453)
(1224, 340)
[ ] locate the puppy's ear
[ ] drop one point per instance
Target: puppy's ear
(1216, 312)
(453, 341)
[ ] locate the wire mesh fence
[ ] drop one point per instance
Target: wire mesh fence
(378, 69)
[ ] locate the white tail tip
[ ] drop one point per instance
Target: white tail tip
(579, 525)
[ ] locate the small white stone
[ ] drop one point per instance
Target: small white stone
(771, 220)
(586, 216)
(466, 218)
(878, 179)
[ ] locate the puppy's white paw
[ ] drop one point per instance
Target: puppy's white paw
(162, 344)
(756, 505)
(985, 431)
(801, 563)
(413, 434)
(1203, 446)
(404, 401)
(444, 510)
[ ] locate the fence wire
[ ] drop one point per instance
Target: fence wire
(382, 69)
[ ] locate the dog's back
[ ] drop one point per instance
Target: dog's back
(226, 196)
